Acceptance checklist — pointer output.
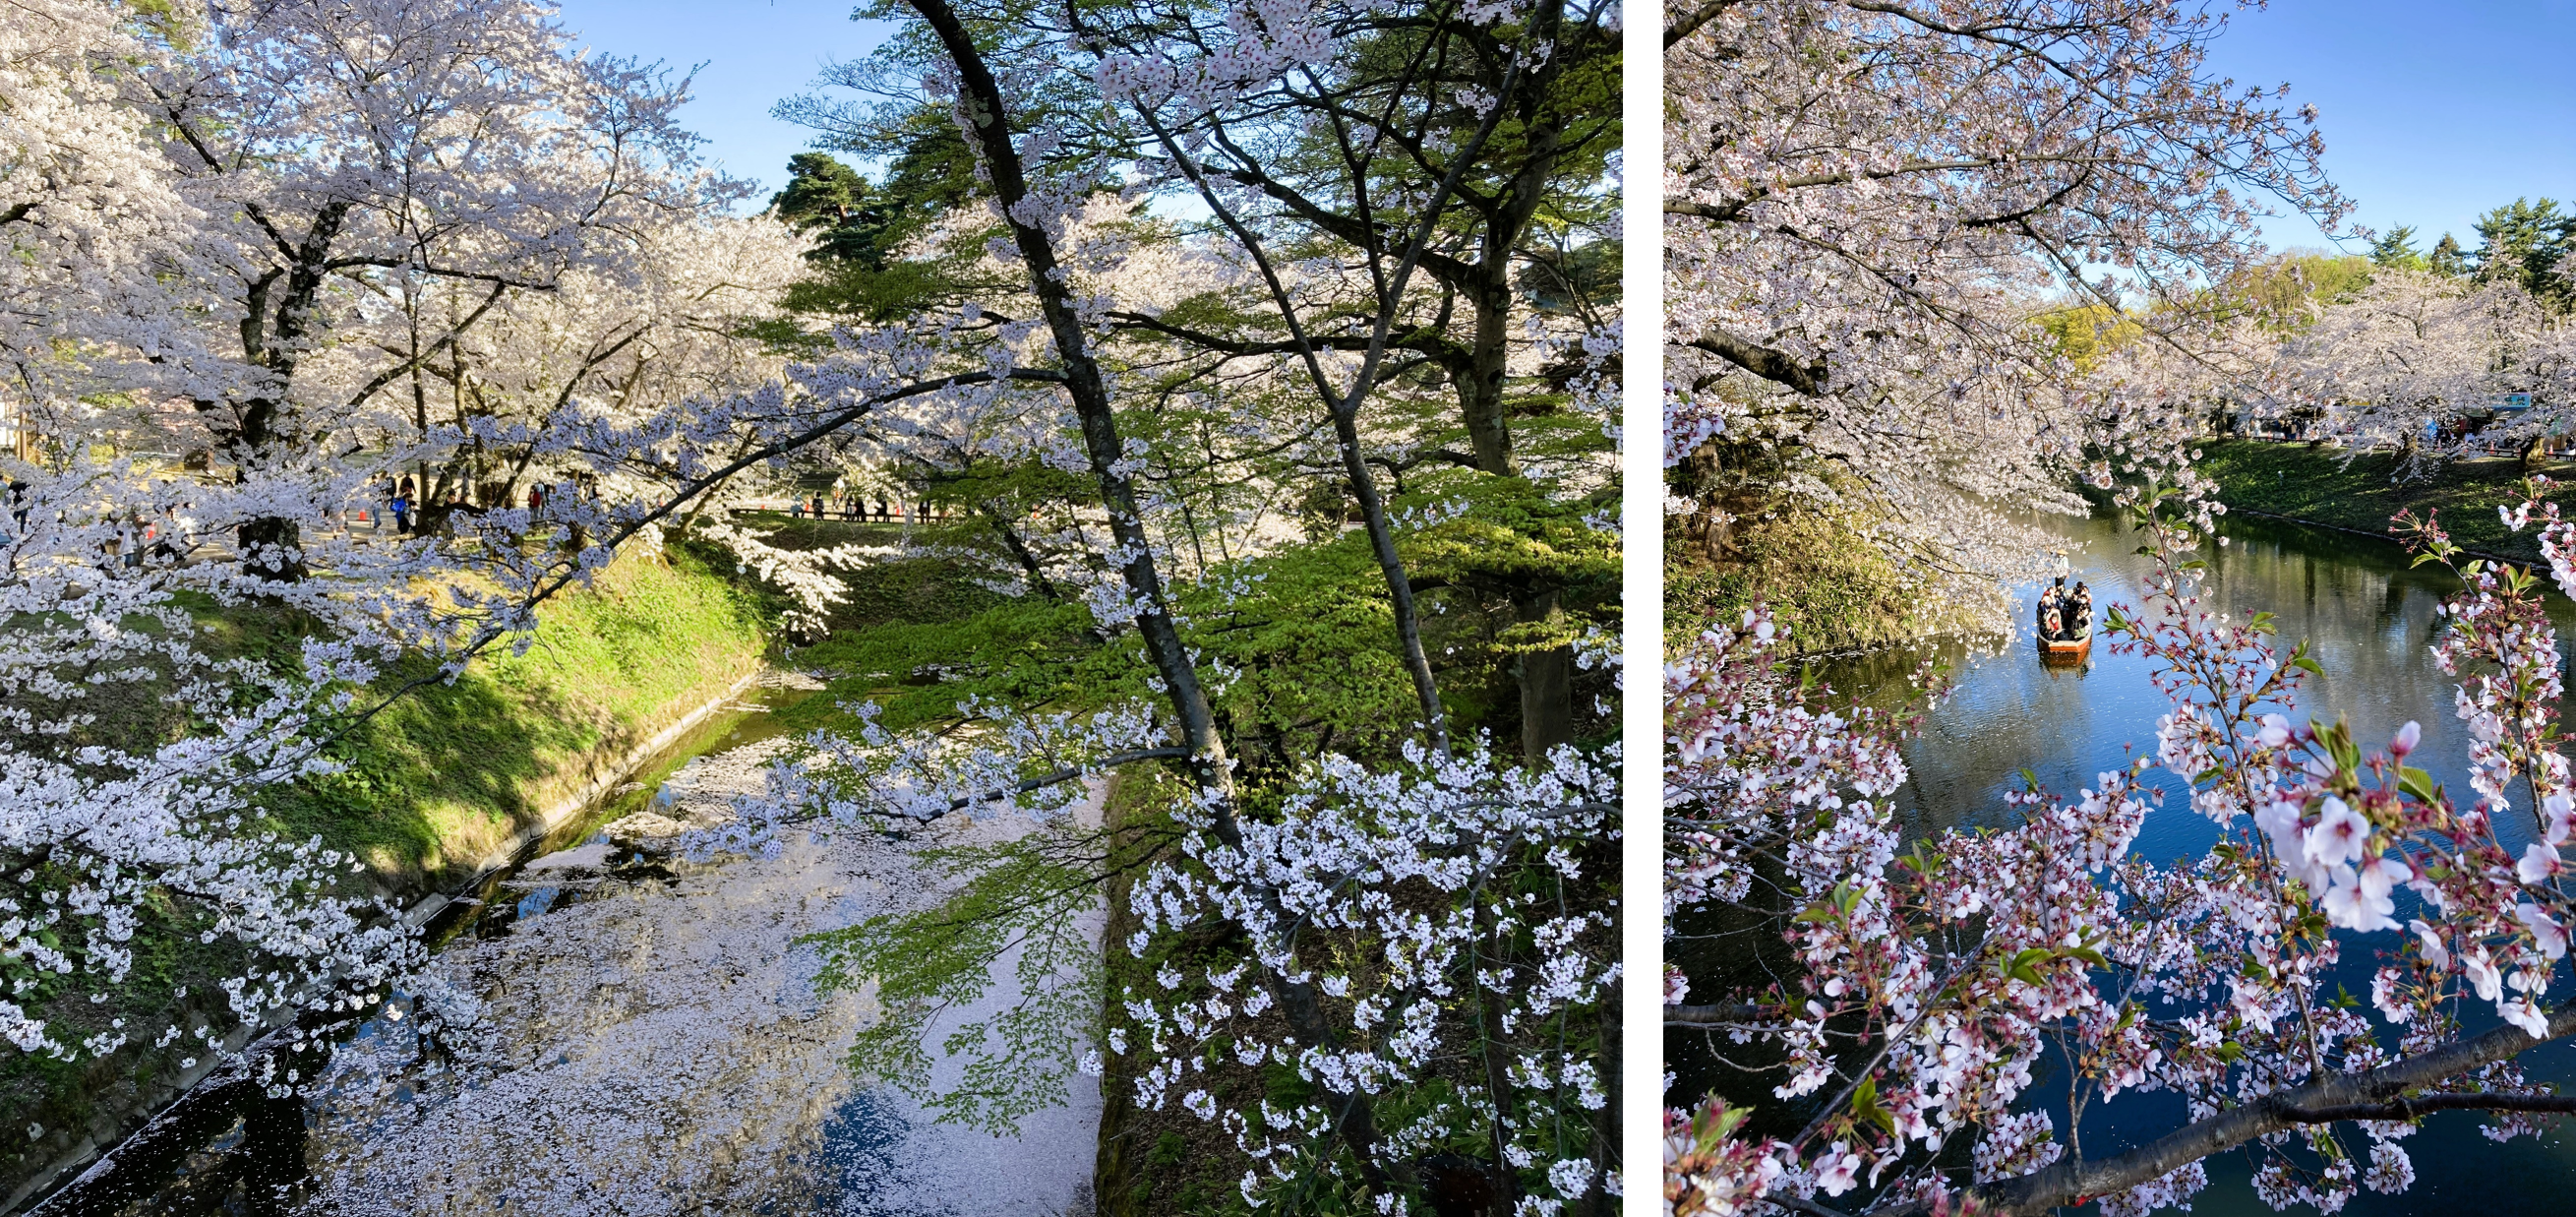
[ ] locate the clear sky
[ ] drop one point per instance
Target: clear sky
(2433, 112)
(755, 53)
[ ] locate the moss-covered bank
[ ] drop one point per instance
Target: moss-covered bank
(1815, 571)
(432, 787)
(2363, 492)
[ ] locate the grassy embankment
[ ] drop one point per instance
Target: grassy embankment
(2317, 486)
(432, 786)
(1832, 588)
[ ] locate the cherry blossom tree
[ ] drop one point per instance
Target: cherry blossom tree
(1869, 204)
(440, 243)
(168, 156)
(351, 156)
(88, 208)
(2412, 351)
(2423, 363)
(667, 321)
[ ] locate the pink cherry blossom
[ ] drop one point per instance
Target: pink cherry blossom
(1837, 1171)
(2274, 733)
(2545, 929)
(2340, 836)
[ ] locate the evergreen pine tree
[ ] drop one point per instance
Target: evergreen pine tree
(824, 194)
(2397, 249)
(864, 227)
(2523, 242)
(2447, 259)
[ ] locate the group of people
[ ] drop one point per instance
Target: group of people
(855, 507)
(2065, 615)
(401, 503)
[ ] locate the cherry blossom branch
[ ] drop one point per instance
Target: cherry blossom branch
(2069, 1181)
(2412, 1107)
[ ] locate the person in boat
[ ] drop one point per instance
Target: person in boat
(2052, 602)
(2079, 621)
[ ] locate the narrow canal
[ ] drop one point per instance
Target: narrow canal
(650, 1041)
(2371, 619)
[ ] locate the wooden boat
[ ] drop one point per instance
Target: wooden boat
(2067, 648)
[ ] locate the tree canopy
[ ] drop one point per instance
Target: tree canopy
(1259, 359)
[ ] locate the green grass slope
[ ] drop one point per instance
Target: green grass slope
(2320, 486)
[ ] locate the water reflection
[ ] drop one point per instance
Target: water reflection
(2368, 616)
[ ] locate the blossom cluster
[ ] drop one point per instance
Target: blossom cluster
(1417, 917)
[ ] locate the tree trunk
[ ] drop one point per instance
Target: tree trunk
(1300, 1002)
(272, 549)
(270, 545)
(1019, 551)
(1115, 1161)
(1547, 684)
(1399, 585)
(1480, 388)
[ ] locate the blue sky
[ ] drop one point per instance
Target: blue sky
(755, 51)
(2433, 113)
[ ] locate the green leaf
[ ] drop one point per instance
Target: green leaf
(2299, 658)
(2418, 784)
(2024, 965)
(1711, 1132)
(1865, 1104)
(1922, 860)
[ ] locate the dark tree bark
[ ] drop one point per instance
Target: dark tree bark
(1547, 684)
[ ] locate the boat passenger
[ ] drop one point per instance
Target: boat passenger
(2052, 602)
